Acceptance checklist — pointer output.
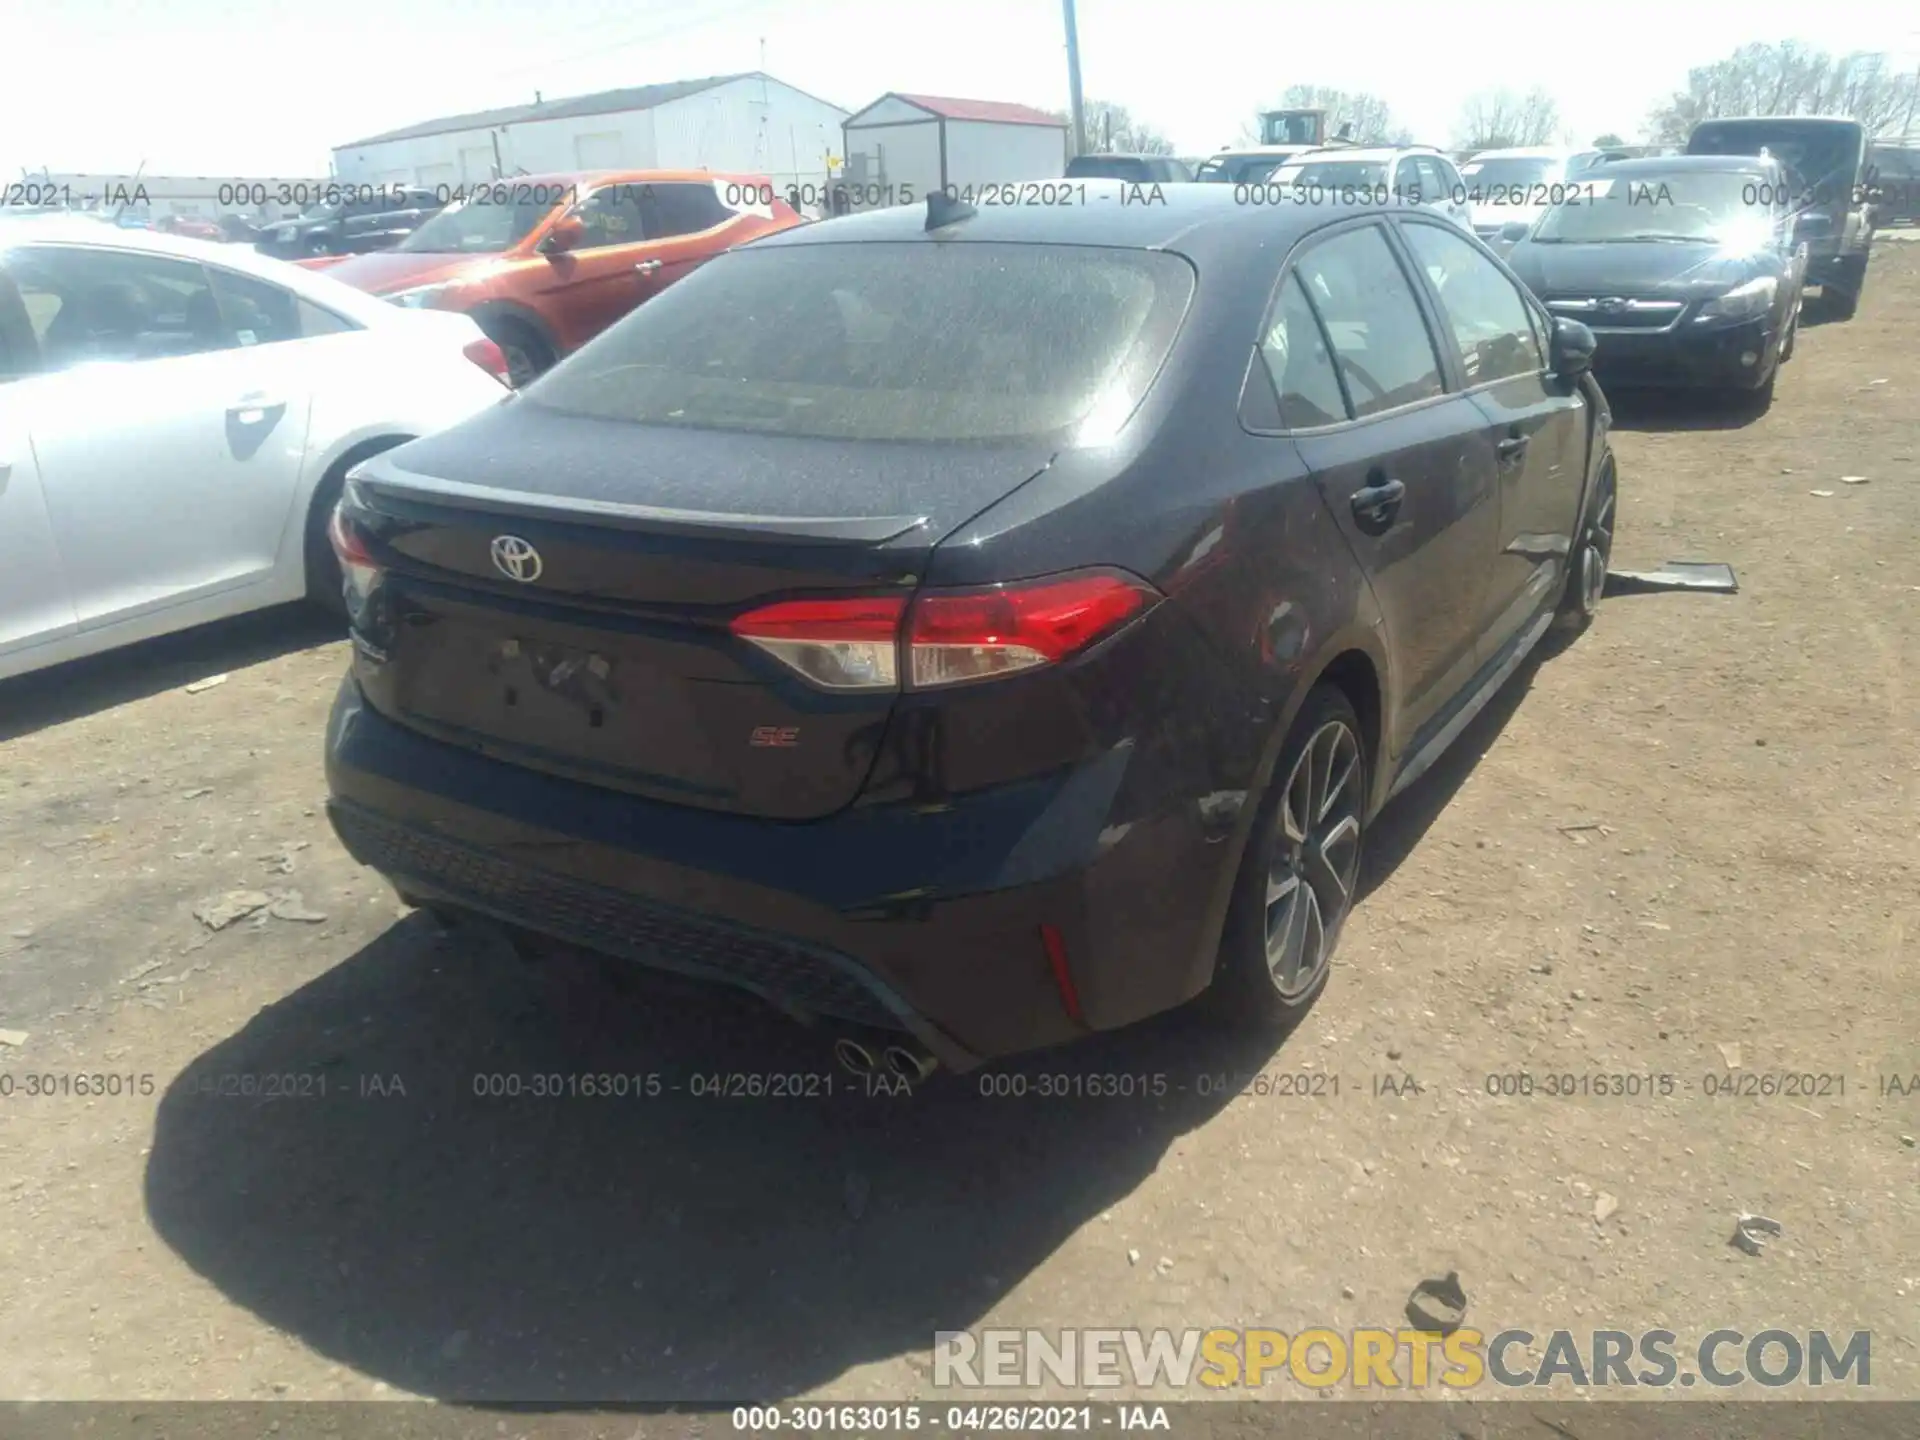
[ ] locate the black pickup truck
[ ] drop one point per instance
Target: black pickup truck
(1833, 199)
(354, 220)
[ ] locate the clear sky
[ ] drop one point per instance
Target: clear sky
(214, 87)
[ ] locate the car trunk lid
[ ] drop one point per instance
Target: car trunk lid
(536, 609)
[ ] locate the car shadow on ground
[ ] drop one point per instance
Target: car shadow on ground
(61, 693)
(392, 1210)
(1403, 824)
(679, 1246)
(1683, 409)
(620, 1247)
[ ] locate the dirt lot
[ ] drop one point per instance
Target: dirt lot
(1690, 841)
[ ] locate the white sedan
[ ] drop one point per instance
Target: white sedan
(176, 421)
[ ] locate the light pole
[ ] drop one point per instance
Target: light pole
(1073, 81)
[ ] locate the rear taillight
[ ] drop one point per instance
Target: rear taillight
(840, 644)
(489, 357)
(359, 572)
(962, 635)
(945, 637)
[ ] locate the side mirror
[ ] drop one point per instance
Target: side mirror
(1570, 349)
(1514, 231)
(567, 233)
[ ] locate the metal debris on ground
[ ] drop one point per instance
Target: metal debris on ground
(1713, 576)
(1823, 494)
(13, 1037)
(1750, 1232)
(217, 912)
(1730, 1052)
(292, 906)
(207, 684)
(197, 792)
(1604, 1208)
(1853, 479)
(1438, 1306)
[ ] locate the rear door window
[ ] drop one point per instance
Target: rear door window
(1380, 340)
(1294, 348)
(260, 313)
(888, 341)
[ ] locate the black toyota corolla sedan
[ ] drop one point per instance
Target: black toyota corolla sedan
(1685, 268)
(975, 628)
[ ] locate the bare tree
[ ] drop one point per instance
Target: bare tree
(1789, 79)
(1113, 129)
(1500, 119)
(1367, 118)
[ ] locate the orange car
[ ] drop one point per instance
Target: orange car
(545, 262)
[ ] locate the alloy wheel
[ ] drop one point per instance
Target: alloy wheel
(1598, 550)
(521, 368)
(1316, 858)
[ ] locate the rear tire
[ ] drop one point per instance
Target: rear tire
(528, 354)
(1593, 552)
(1841, 299)
(1301, 870)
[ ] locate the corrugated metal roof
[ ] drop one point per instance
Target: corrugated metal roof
(605, 102)
(996, 112)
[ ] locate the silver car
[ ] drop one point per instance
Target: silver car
(1416, 175)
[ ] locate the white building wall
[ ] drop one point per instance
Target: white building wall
(898, 155)
(754, 125)
(980, 153)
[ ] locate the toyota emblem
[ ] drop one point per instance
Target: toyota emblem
(516, 559)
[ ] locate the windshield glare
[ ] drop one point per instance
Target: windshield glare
(1723, 206)
(475, 227)
(1332, 174)
(1512, 172)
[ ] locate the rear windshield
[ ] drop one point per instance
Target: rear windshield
(1821, 155)
(911, 341)
(1238, 169)
(1513, 172)
(1334, 174)
(1108, 167)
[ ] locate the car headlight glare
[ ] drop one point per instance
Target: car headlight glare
(1743, 302)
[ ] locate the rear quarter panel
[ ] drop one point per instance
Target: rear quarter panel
(377, 384)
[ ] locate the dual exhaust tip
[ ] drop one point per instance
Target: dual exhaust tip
(902, 1062)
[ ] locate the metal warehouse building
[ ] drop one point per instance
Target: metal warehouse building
(931, 141)
(748, 122)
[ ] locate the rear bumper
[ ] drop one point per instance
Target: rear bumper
(887, 916)
(1707, 359)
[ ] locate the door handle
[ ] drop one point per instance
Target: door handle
(252, 409)
(1512, 448)
(647, 267)
(1375, 506)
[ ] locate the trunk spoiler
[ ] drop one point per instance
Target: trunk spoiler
(396, 495)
